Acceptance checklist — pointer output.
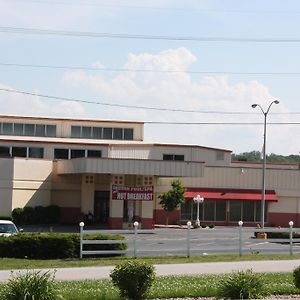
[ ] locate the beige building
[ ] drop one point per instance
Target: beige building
(105, 168)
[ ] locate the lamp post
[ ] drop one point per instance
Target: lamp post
(198, 199)
(263, 190)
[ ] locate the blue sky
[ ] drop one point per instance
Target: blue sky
(194, 85)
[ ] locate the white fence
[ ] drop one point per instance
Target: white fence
(141, 242)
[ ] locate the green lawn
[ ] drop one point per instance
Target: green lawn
(170, 286)
(12, 263)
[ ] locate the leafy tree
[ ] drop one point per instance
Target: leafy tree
(255, 156)
(171, 199)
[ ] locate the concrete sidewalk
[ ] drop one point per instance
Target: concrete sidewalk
(172, 269)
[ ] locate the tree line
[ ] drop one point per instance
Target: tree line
(256, 156)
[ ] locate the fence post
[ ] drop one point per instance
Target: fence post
(188, 239)
(135, 224)
(240, 237)
(291, 224)
(81, 224)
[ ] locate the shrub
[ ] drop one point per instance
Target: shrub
(51, 245)
(241, 285)
(36, 215)
(296, 275)
(133, 278)
(6, 218)
(31, 286)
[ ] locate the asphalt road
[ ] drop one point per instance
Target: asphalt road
(94, 273)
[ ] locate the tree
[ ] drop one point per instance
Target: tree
(171, 199)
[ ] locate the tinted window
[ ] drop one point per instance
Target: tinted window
(107, 133)
(75, 131)
(61, 153)
(18, 129)
(94, 153)
(51, 130)
(29, 129)
(40, 130)
(19, 151)
(128, 134)
(7, 128)
(77, 153)
(36, 152)
(118, 134)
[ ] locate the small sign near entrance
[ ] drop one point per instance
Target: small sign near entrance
(142, 193)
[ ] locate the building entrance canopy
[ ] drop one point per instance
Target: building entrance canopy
(130, 167)
(229, 194)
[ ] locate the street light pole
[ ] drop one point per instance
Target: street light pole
(198, 199)
(263, 190)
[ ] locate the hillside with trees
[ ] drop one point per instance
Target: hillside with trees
(255, 156)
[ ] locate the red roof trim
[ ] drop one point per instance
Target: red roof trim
(230, 194)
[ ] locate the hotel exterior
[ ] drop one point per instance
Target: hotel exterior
(105, 169)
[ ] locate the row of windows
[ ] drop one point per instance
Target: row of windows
(173, 157)
(215, 210)
(37, 152)
(102, 133)
(21, 129)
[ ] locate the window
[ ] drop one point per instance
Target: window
(94, 153)
(118, 134)
(40, 130)
(75, 131)
(19, 151)
(97, 133)
(51, 130)
(248, 211)
(7, 128)
(209, 210)
(128, 134)
(18, 129)
(75, 153)
(220, 210)
(61, 153)
(235, 210)
(29, 129)
(107, 133)
(220, 155)
(177, 157)
(4, 151)
(36, 152)
(86, 132)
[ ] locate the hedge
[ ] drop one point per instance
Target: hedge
(36, 215)
(51, 245)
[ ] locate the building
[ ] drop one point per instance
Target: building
(104, 168)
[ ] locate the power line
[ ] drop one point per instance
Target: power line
(141, 70)
(140, 107)
(37, 31)
(125, 105)
(219, 123)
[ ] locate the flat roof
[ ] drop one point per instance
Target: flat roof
(22, 117)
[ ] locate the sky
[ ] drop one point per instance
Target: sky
(189, 69)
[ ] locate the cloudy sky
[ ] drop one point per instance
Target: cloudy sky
(197, 65)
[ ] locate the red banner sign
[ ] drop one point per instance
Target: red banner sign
(142, 193)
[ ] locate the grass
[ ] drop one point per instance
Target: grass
(12, 263)
(170, 287)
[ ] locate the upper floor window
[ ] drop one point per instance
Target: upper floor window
(220, 155)
(104, 133)
(179, 157)
(24, 129)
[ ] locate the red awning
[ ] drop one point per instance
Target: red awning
(229, 194)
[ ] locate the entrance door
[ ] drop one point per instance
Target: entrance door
(101, 206)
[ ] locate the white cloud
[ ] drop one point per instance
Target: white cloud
(181, 90)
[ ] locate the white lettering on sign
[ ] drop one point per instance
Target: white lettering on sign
(142, 193)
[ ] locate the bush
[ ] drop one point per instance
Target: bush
(296, 275)
(36, 215)
(241, 285)
(31, 286)
(5, 218)
(133, 278)
(51, 245)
